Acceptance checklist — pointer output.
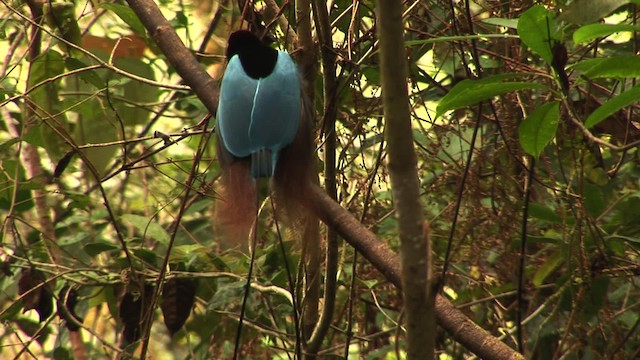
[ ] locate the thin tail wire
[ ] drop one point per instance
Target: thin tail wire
(292, 284)
(252, 249)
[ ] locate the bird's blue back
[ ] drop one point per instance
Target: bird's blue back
(259, 114)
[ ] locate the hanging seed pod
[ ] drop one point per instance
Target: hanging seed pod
(35, 293)
(63, 163)
(178, 296)
(135, 302)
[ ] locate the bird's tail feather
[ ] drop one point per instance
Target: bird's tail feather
(262, 164)
(294, 173)
(236, 207)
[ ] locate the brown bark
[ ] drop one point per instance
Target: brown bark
(417, 294)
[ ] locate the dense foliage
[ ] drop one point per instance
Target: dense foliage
(526, 134)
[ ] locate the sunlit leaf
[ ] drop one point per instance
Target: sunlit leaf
(127, 15)
(594, 31)
(470, 92)
(587, 11)
(536, 28)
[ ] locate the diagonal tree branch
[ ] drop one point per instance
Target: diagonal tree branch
(460, 327)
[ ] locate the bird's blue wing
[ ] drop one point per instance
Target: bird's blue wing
(275, 116)
(235, 106)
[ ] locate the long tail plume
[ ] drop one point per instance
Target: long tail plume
(236, 207)
(295, 169)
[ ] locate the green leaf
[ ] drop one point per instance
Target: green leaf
(8, 144)
(544, 213)
(539, 128)
(594, 201)
(370, 284)
(622, 237)
(536, 28)
(617, 67)
(98, 247)
(147, 227)
(73, 238)
(613, 105)
(136, 92)
(62, 15)
(91, 76)
(146, 255)
(587, 11)
(48, 107)
(594, 31)
(508, 23)
(96, 124)
(470, 92)
(551, 263)
(127, 15)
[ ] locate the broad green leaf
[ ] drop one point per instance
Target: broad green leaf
(539, 128)
(470, 92)
(544, 213)
(47, 107)
(588, 11)
(594, 31)
(147, 227)
(613, 105)
(96, 124)
(127, 15)
(536, 28)
(91, 76)
(137, 93)
(617, 67)
(552, 263)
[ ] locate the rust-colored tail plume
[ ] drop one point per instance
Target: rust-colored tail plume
(294, 171)
(236, 204)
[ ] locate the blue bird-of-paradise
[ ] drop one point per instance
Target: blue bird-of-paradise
(264, 131)
(260, 104)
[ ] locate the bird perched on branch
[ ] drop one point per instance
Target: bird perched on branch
(263, 127)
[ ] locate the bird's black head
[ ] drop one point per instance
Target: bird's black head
(258, 60)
